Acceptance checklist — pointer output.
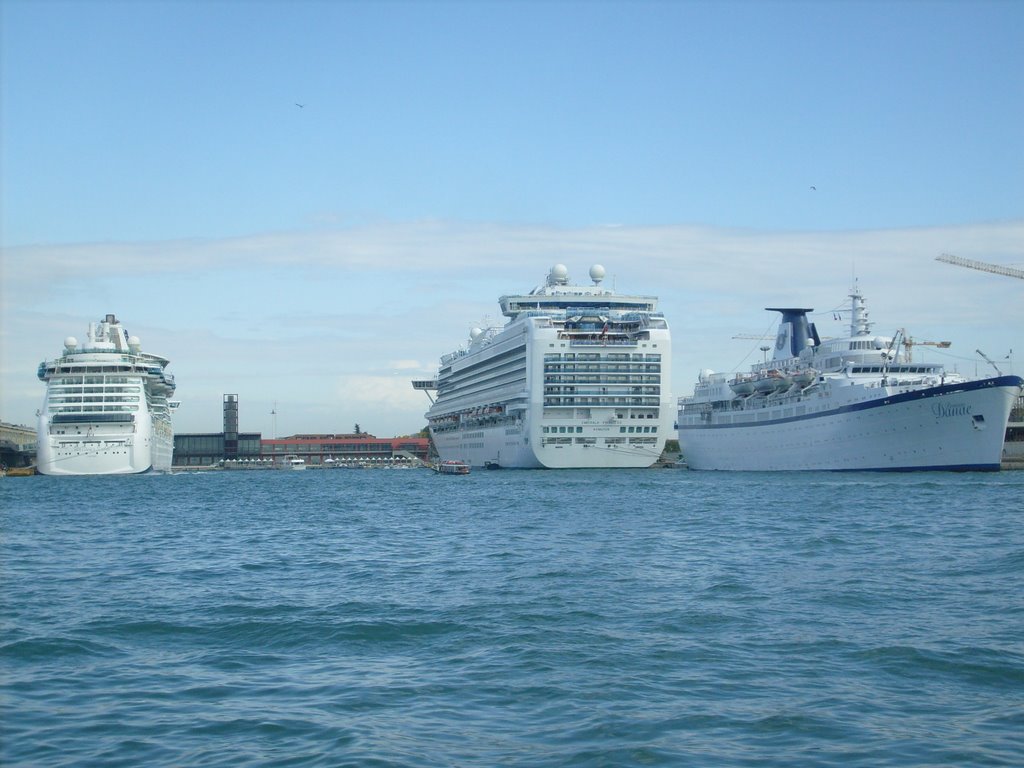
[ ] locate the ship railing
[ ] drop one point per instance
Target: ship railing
(602, 401)
(445, 359)
(607, 341)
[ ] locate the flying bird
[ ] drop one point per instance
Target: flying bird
(814, 189)
(300, 106)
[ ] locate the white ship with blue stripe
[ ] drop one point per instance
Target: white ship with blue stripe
(577, 377)
(852, 403)
(107, 409)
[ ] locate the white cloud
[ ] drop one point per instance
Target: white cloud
(331, 325)
(406, 365)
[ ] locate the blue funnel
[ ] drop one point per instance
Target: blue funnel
(800, 332)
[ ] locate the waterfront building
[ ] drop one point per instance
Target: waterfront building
(347, 449)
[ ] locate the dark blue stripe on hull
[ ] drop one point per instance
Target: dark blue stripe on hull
(936, 468)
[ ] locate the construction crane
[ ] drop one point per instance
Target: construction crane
(909, 343)
(989, 361)
(949, 258)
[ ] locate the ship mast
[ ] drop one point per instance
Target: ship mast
(859, 323)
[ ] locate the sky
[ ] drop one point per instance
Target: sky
(307, 203)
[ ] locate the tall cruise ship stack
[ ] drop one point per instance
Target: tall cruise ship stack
(106, 410)
(578, 377)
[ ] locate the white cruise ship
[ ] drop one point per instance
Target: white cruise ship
(106, 410)
(579, 376)
(852, 403)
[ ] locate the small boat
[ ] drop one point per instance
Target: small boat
(19, 471)
(770, 382)
(451, 467)
(805, 378)
(742, 384)
(291, 461)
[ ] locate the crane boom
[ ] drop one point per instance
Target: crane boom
(960, 261)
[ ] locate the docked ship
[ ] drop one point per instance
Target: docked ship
(107, 409)
(857, 402)
(578, 376)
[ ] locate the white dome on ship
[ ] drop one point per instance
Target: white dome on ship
(559, 274)
(134, 342)
(597, 273)
(474, 333)
(70, 342)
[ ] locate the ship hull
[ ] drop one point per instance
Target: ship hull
(486, 447)
(955, 427)
(96, 448)
(507, 449)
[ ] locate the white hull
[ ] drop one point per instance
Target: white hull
(951, 427)
(103, 449)
(494, 447)
(104, 453)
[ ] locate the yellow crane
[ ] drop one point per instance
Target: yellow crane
(997, 269)
(909, 343)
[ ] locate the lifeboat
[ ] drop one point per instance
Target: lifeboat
(770, 382)
(805, 377)
(742, 385)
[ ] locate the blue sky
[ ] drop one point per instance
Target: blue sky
(155, 165)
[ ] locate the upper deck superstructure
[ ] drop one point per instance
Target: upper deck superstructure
(577, 377)
(107, 408)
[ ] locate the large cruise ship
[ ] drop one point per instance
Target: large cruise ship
(106, 410)
(852, 403)
(579, 376)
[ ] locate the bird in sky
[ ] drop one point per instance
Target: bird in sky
(815, 189)
(300, 106)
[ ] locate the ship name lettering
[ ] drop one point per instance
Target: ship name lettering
(944, 411)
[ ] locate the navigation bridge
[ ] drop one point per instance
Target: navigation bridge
(427, 385)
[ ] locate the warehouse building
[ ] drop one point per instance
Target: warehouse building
(234, 448)
(347, 449)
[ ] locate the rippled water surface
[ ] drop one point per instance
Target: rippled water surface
(401, 618)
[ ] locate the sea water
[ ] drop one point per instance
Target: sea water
(532, 618)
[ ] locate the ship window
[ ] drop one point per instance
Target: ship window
(579, 429)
